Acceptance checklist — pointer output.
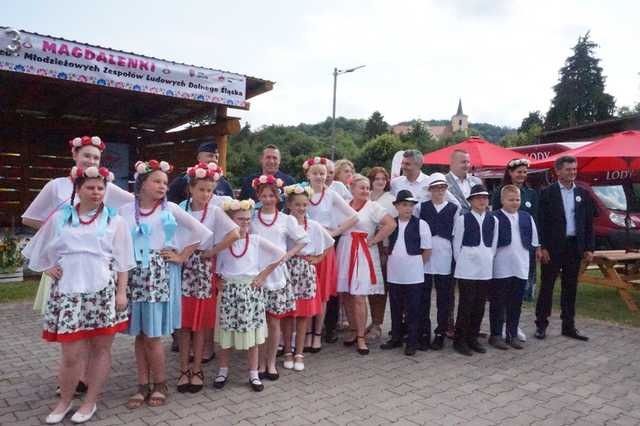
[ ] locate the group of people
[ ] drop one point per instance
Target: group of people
(271, 271)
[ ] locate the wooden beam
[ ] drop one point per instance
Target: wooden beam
(224, 126)
(223, 140)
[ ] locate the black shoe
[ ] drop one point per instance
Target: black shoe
(81, 388)
(207, 360)
(514, 343)
(541, 333)
(424, 345)
(269, 376)
(196, 388)
(256, 385)
(219, 384)
(175, 346)
(410, 350)
(438, 342)
(280, 351)
(349, 342)
(330, 337)
(184, 388)
(391, 344)
(498, 343)
(365, 350)
(313, 349)
(462, 348)
(476, 346)
(575, 334)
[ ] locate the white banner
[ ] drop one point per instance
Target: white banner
(30, 53)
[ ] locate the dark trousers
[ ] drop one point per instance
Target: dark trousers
(406, 299)
(443, 285)
(567, 265)
(472, 298)
(505, 304)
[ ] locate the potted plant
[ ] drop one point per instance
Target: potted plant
(11, 259)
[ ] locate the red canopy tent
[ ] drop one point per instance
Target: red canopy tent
(484, 154)
(620, 151)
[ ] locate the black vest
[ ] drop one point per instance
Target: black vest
(411, 237)
(440, 223)
(504, 229)
(471, 237)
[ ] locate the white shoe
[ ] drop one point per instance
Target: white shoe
(83, 418)
(53, 419)
(521, 336)
(298, 365)
(288, 362)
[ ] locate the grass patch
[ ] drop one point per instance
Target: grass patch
(599, 303)
(17, 291)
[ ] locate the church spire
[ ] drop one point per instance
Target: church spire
(459, 107)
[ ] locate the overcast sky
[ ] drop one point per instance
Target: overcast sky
(501, 57)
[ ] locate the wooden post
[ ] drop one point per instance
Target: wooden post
(223, 140)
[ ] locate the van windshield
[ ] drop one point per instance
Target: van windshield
(614, 197)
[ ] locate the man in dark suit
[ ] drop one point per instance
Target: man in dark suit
(270, 161)
(207, 153)
(565, 218)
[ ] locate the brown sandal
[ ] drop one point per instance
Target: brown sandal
(159, 394)
(137, 400)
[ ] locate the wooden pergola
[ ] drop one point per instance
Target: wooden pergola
(39, 114)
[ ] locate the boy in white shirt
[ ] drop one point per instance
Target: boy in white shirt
(409, 249)
(517, 237)
(474, 247)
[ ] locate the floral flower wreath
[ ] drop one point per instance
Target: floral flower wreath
(267, 180)
(144, 167)
(92, 172)
(517, 162)
(234, 205)
(76, 143)
(315, 160)
(297, 189)
(204, 170)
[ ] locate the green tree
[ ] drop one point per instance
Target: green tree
(579, 95)
(379, 151)
(534, 118)
(375, 126)
(625, 111)
(420, 138)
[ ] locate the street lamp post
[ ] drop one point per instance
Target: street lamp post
(337, 72)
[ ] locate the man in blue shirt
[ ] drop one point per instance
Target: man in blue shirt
(270, 161)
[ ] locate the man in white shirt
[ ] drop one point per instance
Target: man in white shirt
(412, 178)
(459, 180)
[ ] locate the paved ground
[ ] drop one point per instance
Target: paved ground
(555, 382)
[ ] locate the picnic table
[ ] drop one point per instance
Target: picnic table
(620, 270)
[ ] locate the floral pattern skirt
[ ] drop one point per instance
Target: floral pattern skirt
(156, 318)
(302, 276)
(76, 316)
(240, 321)
(280, 302)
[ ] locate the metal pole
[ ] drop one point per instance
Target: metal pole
(333, 121)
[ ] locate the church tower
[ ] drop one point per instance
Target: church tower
(459, 122)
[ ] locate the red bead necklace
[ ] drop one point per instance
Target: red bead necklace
(152, 210)
(246, 247)
(275, 217)
(95, 216)
(319, 200)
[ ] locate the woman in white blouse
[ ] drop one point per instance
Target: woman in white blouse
(379, 180)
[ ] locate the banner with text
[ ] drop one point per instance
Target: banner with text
(67, 60)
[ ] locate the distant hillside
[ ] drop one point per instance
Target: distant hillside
(488, 131)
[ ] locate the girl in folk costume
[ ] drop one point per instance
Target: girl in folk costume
(303, 275)
(336, 216)
(155, 283)
(359, 271)
(86, 152)
(86, 249)
(243, 269)
(282, 230)
(198, 299)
